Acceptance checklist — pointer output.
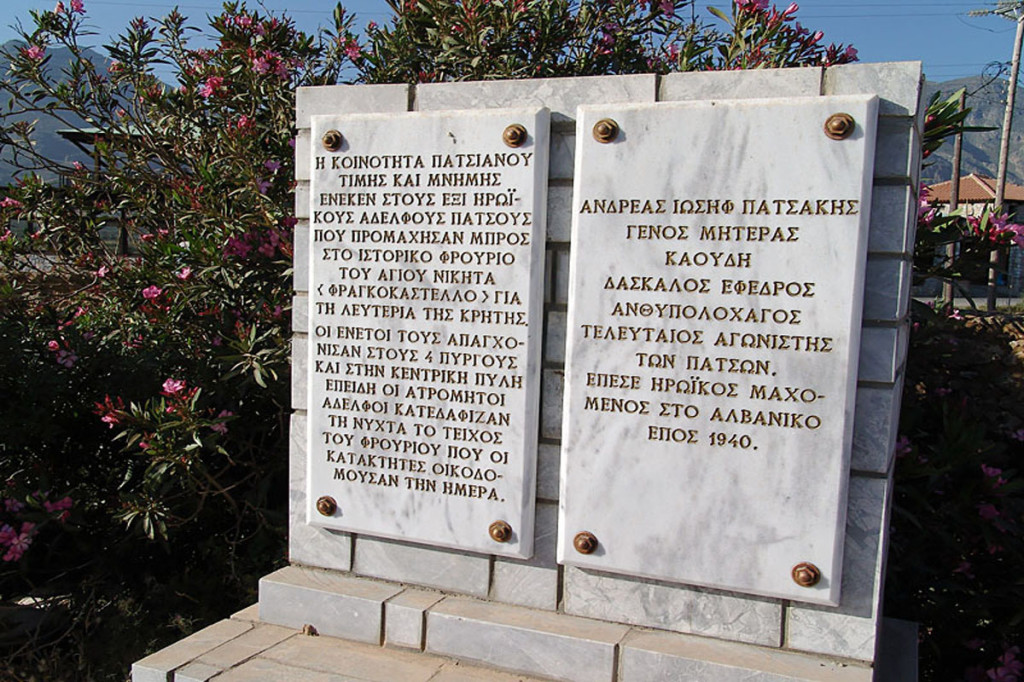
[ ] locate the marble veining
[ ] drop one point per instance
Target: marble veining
(426, 265)
(715, 301)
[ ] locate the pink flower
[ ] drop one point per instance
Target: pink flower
(20, 544)
(221, 427)
(59, 9)
(793, 7)
(991, 472)
(965, 568)
(109, 410)
(1009, 668)
(212, 84)
(173, 387)
(59, 505)
(103, 271)
(53, 345)
(7, 535)
(33, 52)
(353, 52)
(988, 511)
(668, 7)
(8, 202)
(152, 292)
(66, 358)
(13, 506)
(996, 473)
(851, 53)
(77, 6)
(184, 273)
(752, 5)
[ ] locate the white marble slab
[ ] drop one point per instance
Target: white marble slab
(714, 319)
(426, 286)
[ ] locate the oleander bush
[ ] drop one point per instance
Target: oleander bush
(145, 296)
(144, 332)
(956, 536)
(957, 541)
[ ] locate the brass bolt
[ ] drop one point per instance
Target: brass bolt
(606, 130)
(326, 506)
(500, 531)
(806, 574)
(839, 126)
(332, 140)
(585, 543)
(514, 135)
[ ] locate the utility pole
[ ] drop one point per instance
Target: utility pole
(954, 203)
(1007, 10)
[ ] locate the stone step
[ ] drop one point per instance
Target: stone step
(244, 649)
(541, 643)
(388, 631)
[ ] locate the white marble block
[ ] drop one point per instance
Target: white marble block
(426, 265)
(715, 303)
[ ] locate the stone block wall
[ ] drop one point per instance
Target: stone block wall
(849, 631)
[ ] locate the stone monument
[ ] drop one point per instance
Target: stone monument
(594, 379)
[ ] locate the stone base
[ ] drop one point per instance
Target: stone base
(245, 649)
(390, 632)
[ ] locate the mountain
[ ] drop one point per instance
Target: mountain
(45, 138)
(987, 100)
(985, 96)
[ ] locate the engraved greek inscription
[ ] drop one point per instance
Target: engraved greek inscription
(749, 233)
(655, 359)
(667, 232)
(701, 258)
(672, 434)
(623, 405)
(627, 206)
(601, 380)
(419, 292)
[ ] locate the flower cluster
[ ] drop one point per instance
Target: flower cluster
(22, 519)
(765, 36)
(267, 243)
(15, 543)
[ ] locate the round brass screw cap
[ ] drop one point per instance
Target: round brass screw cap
(839, 126)
(326, 506)
(514, 135)
(500, 531)
(585, 543)
(806, 574)
(332, 140)
(606, 130)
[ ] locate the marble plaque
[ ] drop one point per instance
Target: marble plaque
(427, 259)
(716, 286)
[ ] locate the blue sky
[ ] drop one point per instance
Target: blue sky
(939, 33)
